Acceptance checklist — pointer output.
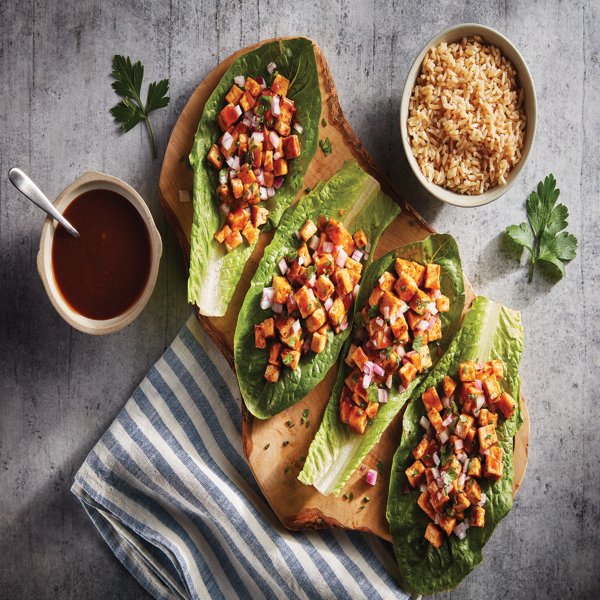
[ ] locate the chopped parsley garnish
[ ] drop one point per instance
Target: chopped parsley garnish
(285, 443)
(267, 447)
(418, 343)
(323, 122)
(325, 146)
(380, 467)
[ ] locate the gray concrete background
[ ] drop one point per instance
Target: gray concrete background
(59, 389)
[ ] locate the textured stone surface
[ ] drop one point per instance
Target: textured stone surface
(60, 389)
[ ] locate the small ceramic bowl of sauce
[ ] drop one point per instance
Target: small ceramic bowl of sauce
(100, 281)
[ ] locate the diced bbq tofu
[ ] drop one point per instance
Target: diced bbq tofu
(325, 264)
(251, 233)
(268, 160)
(297, 274)
(290, 358)
(291, 146)
(427, 459)
(318, 342)
(242, 144)
(420, 302)
(257, 156)
(432, 277)
(253, 87)
(449, 386)
(282, 289)
(412, 269)
(272, 373)
(437, 497)
(491, 387)
(304, 254)
(259, 215)
(274, 353)
(487, 436)
(228, 116)
(497, 368)
(407, 374)
(237, 219)
(390, 306)
(447, 523)
(436, 420)
(434, 332)
(376, 296)
(387, 281)
(425, 505)
(336, 313)
(283, 129)
(442, 303)
(343, 282)
(251, 193)
(234, 95)
(405, 287)
(306, 301)
(371, 409)
(473, 491)
(470, 395)
(461, 502)
(474, 468)
(247, 102)
(280, 85)
(233, 240)
(426, 361)
(463, 425)
(323, 288)
(354, 380)
(415, 359)
(413, 320)
(360, 238)
(487, 418)
(286, 110)
(316, 320)
(359, 358)
(246, 174)
(308, 230)
(223, 192)
(400, 329)
(354, 266)
(434, 536)
(339, 235)
(358, 420)
(415, 473)
(382, 339)
(493, 464)
(280, 167)
(420, 449)
(260, 339)
(431, 399)
(214, 157)
(469, 441)
(220, 235)
(506, 405)
(349, 360)
(477, 517)
(284, 325)
(237, 187)
(467, 371)
(345, 410)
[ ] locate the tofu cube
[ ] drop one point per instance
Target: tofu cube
(436, 420)
(491, 387)
(316, 320)
(247, 102)
(435, 332)
(387, 281)
(415, 359)
(246, 174)
(400, 329)
(358, 420)
(415, 473)
(434, 536)
(420, 302)
(308, 230)
(234, 95)
(463, 425)
(360, 238)
(214, 157)
(391, 306)
(268, 160)
(474, 468)
(425, 505)
(286, 110)
(442, 303)
(467, 371)
(487, 436)
(259, 215)
(461, 503)
(407, 373)
(325, 264)
(449, 386)
(405, 287)
(420, 449)
(280, 85)
(252, 86)
(447, 523)
(486, 417)
(493, 464)
(432, 277)
(427, 458)
(345, 407)
(233, 240)
(290, 358)
(506, 404)
(426, 361)
(280, 167)
(323, 288)
(375, 296)
(274, 353)
(237, 219)
(318, 342)
(371, 409)
(414, 270)
(477, 517)
(431, 400)
(304, 254)
(497, 368)
(360, 358)
(343, 281)
(229, 115)
(282, 289)
(272, 373)
(291, 146)
(337, 313)
(283, 129)
(473, 491)
(251, 233)
(220, 235)
(306, 301)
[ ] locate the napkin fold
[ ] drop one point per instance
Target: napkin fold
(171, 493)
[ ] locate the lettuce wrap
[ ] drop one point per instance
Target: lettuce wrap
(214, 273)
(355, 199)
(490, 331)
(336, 452)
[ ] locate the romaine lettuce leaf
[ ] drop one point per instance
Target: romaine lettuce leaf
(489, 331)
(214, 273)
(336, 452)
(350, 196)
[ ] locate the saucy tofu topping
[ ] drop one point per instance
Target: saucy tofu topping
(460, 448)
(311, 297)
(252, 154)
(399, 320)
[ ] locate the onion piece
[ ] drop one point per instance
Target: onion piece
(274, 140)
(275, 106)
(312, 280)
(424, 423)
(271, 67)
(366, 382)
(466, 465)
(386, 312)
(357, 255)
(270, 192)
(371, 477)
(422, 488)
(431, 322)
(261, 81)
(378, 370)
(382, 396)
(480, 402)
(277, 308)
(483, 499)
(328, 303)
(238, 110)
(327, 247)
(448, 420)
(445, 402)
(313, 243)
(342, 256)
(435, 472)
(257, 137)
(461, 480)
(400, 351)
(422, 325)
(344, 326)
(298, 127)
(356, 290)
(296, 326)
(368, 368)
(388, 381)
(301, 260)
(443, 437)
(283, 266)
(240, 81)
(277, 182)
(436, 294)
(263, 193)
(459, 444)
(479, 384)
(227, 140)
(436, 459)
(225, 209)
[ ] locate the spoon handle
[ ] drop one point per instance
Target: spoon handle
(26, 186)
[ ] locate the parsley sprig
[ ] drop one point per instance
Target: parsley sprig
(128, 84)
(543, 234)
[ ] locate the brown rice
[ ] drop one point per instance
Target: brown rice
(466, 120)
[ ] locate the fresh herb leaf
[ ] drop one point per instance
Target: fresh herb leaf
(373, 393)
(418, 343)
(128, 84)
(542, 236)
(381, 467)
(325, 146)
(323, 122)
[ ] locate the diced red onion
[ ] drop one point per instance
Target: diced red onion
(226, 140)
(382, 396)
(366, 256)
(362, 467)
(261, 81)
(267, 298)
(283, 267)
(301, 260)
(328, 303)
(296, 326)
(225, 209)
(431, 322)
(436, 459)
(458, 444)
(401, 389)
(465, 466)
(298, 127)
(435, 471)
(356, 290)
(277, 182)
(238, 110)
(239, 80)
(327, 247)
(404, 308)
(344, 326)
(222, 177)
(483, 499)
(313, 243)
(371, 477)
(386, 312)
(232, 174)
(270, 192)
(263, 193)
(422, 325)
(485, 452)
(434, 310)
(424, 423)
(479, 366)
(445, 402)
(436, 294)
(277, 308)
(271, 67)
(378, 370)
(274, 139)
(480, 402)
(366, 382)
(461, 529)
(388, 381)
(393, 319)
(247, 121)
(479, 384)
(368, 368)
(461, 480)
(400, 351)
(461, 457)
(276, 155)
(443, 437)
(247, 211)
(257, 137)
(381, 278)
(448, 420)
(342, 256)
(312, 280)
(437, 518)
(357, 255)
(422, 488)
(275, 106)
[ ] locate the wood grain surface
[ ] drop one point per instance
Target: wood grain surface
(275, 450)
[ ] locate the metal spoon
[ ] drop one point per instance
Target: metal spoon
(26, 186)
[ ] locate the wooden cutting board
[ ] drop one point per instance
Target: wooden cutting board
(275, 451)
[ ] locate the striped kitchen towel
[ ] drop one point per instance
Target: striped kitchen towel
(170, 491)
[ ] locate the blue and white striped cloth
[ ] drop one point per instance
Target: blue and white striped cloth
(170, 491)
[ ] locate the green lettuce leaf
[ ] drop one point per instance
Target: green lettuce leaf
(489, 331)
(350, 196)
(336, 452)
(214, 273)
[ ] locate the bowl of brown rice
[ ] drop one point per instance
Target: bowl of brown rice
(468, 115)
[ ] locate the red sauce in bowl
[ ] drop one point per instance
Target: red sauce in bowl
(104, 271)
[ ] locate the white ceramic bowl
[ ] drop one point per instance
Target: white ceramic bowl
(92, 180)
(524, 80)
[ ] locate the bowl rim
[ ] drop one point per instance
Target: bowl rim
(91, 180)
(492, 36)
